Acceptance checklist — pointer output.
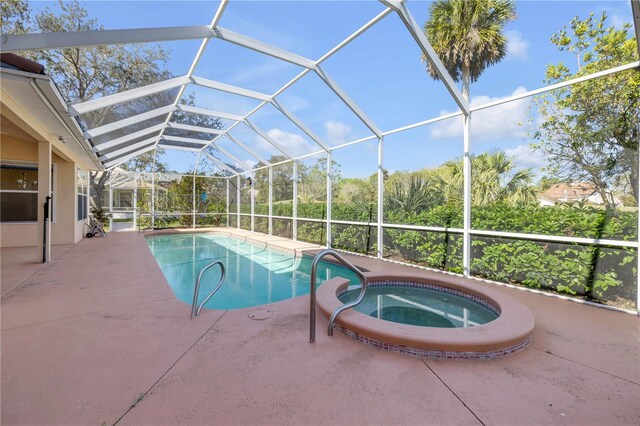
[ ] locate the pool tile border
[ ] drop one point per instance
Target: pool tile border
(509, 333)
(424, 353)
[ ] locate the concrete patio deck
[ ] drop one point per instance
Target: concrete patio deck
(18, 263)
(98, 336)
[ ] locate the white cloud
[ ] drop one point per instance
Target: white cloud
(526, 157)
(505, 121)
(293, 143)
(268, 34)
(337, 132)
(293, 102)
(618, 20)
(254, 74)
(517, 46)
(251, 162)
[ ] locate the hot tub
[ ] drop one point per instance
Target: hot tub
(430, 315)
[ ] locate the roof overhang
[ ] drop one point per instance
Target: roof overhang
(39, 99)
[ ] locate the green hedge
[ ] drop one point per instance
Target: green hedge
(598, 273)
(594, 272)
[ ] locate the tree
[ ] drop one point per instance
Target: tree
(590, 130)
(467, 36)
(354, 190)
(414, 193)
(14, 16)
(84, 73)
(312, 180)
(495, 179)
(282, 185)
(198, 120)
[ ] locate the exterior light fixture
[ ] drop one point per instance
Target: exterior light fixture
(23, 183)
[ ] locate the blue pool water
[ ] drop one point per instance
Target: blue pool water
(420, 306)
(255, 275)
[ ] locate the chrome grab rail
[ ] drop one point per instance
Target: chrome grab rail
(312, 293)
(195, 308)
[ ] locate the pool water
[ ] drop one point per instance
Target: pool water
(420, 306)
(255, 275)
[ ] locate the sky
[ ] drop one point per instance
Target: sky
(381, 71)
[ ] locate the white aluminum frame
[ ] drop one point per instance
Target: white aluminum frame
(127, 95)
(270, 200)
(189, 127)
(380, 200)
(635, 13)
(219, 164)
(261, 47)
(333, 85)
(224, 87)
(421, 40)
(183, 139)
(239, 162)
(268, 138)
(111, 164)
(177, 147)
(97, 131)
(203, 45)
(128, 149)
(247, 149)
(64, 40)
(124, 139)
(209, 112)
(329, 197)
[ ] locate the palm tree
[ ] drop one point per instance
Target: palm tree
(495, 179)
(414, 193)
(467, 36)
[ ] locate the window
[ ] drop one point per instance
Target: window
(82, 185)
(126, 199)
(18, 192)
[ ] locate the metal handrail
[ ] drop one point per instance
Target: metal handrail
(312, 301)
(195, 310)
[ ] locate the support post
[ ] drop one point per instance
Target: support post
(380, 200)
(238, 194)
(153, 190)
(111, 202)
(135, 202)
(227, 211)
(270, 200)
(466, 193)
(44, 191)
(638, 250)
(253, 202)
(329, 198)
(295, 201)
(193, 201)
(88, 196)
(193, 193)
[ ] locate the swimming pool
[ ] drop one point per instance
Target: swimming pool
(255, 275)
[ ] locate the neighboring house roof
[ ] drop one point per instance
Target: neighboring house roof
(573, 192)
(568, 192)
(131, 185)
(542, 198)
